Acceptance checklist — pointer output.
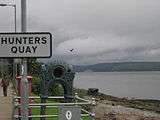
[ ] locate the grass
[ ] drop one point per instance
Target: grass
(49, 111)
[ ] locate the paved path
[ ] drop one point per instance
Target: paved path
(5, 105)
(5, 108)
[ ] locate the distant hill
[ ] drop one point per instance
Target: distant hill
(123, 66)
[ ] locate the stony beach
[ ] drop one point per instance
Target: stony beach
(114, 108)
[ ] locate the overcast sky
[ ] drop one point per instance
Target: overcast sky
(97, 30)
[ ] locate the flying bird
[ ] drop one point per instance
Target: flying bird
(71, 50)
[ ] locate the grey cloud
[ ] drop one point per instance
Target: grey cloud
(98, 30)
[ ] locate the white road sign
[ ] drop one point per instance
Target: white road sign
(68, 115)
(19, 45)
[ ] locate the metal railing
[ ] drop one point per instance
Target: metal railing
(78, 101)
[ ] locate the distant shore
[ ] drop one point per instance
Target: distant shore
(119, 67)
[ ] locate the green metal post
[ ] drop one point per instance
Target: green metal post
(24, 81)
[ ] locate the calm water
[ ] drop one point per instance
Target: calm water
(122, 84)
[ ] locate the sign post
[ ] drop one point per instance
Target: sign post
(24, 83)
(25, 45)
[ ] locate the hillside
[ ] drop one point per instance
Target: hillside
(123, 66)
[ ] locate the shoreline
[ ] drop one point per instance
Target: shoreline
(142, 104)
(113, 108)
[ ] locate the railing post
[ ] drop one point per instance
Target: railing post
(92, 116)
(76, 95)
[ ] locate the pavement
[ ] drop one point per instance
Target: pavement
(5, 105)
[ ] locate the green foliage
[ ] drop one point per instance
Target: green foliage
(0, 72)
(35, 70)
(56, 90)
(36, 85)
(34, 67)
